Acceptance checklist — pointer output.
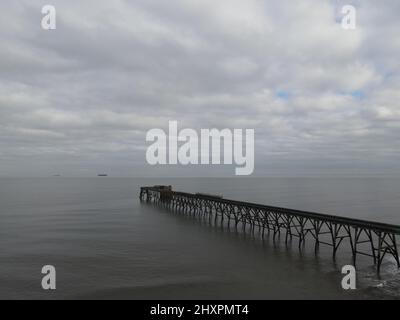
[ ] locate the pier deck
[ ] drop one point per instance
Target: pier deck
(373, 239)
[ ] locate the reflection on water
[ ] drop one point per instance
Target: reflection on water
(105, 244)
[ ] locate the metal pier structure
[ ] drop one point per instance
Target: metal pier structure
(368, 238)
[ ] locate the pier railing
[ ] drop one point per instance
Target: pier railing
(368, 238)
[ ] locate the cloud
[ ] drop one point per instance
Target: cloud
(82, 97)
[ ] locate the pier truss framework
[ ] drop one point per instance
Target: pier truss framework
(372, 239)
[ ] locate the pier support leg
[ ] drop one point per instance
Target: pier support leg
(380, 256)
(353, 243)
(395, 251)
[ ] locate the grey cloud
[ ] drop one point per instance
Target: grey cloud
(80, 99)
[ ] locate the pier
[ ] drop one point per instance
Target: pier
(373, 239)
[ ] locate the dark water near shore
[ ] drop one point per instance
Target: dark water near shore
(105, 244)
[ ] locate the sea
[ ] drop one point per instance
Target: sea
(105, 244)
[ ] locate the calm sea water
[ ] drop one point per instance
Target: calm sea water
(105, 244)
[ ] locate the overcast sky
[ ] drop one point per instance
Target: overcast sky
(79, 100)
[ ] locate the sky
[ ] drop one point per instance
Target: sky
(78, 100)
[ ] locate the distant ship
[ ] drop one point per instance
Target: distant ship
(102, 175)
